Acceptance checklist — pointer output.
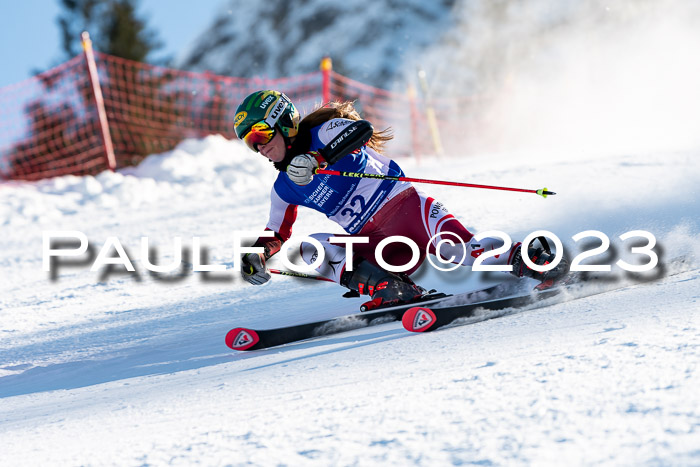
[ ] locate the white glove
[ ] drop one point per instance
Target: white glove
(253, 269)
(302, 168)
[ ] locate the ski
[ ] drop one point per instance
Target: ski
(424, 318)
(429, 318)
(432, 312)
(254, 339)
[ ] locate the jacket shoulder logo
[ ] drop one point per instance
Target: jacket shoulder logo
(333, 124)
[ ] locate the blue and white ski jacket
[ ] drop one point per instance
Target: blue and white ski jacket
(350, 202)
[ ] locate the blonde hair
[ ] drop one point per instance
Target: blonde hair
(347, 110)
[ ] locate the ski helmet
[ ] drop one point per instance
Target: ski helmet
(262, 114)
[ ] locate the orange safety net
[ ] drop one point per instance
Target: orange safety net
(49, 124)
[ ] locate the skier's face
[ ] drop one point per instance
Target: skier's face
(274, 150)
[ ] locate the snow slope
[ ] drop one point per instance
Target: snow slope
(107, 367)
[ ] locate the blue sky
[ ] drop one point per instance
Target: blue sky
(30, 37)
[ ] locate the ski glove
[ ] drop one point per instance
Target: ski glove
(303, 167)
(253, 268)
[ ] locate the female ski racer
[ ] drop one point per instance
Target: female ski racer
(336, 137)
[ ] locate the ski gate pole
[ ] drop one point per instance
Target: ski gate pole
(542, 192)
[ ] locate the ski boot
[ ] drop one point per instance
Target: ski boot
(385, 288)
(540, 256)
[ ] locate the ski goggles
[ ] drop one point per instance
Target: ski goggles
(260, 133)
(263, 131)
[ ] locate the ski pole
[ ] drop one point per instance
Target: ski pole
(542, 192)
(299, 274)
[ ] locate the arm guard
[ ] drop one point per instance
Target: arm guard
(355, 135)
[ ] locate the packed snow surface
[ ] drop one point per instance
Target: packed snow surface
(109, 367)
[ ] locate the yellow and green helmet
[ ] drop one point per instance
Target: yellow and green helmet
(261, 114)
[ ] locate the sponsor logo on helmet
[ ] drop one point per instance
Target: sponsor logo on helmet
(277, 110)
(240, 116)
(267, 101)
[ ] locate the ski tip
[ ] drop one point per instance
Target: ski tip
(241, 338)
(418, 319)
